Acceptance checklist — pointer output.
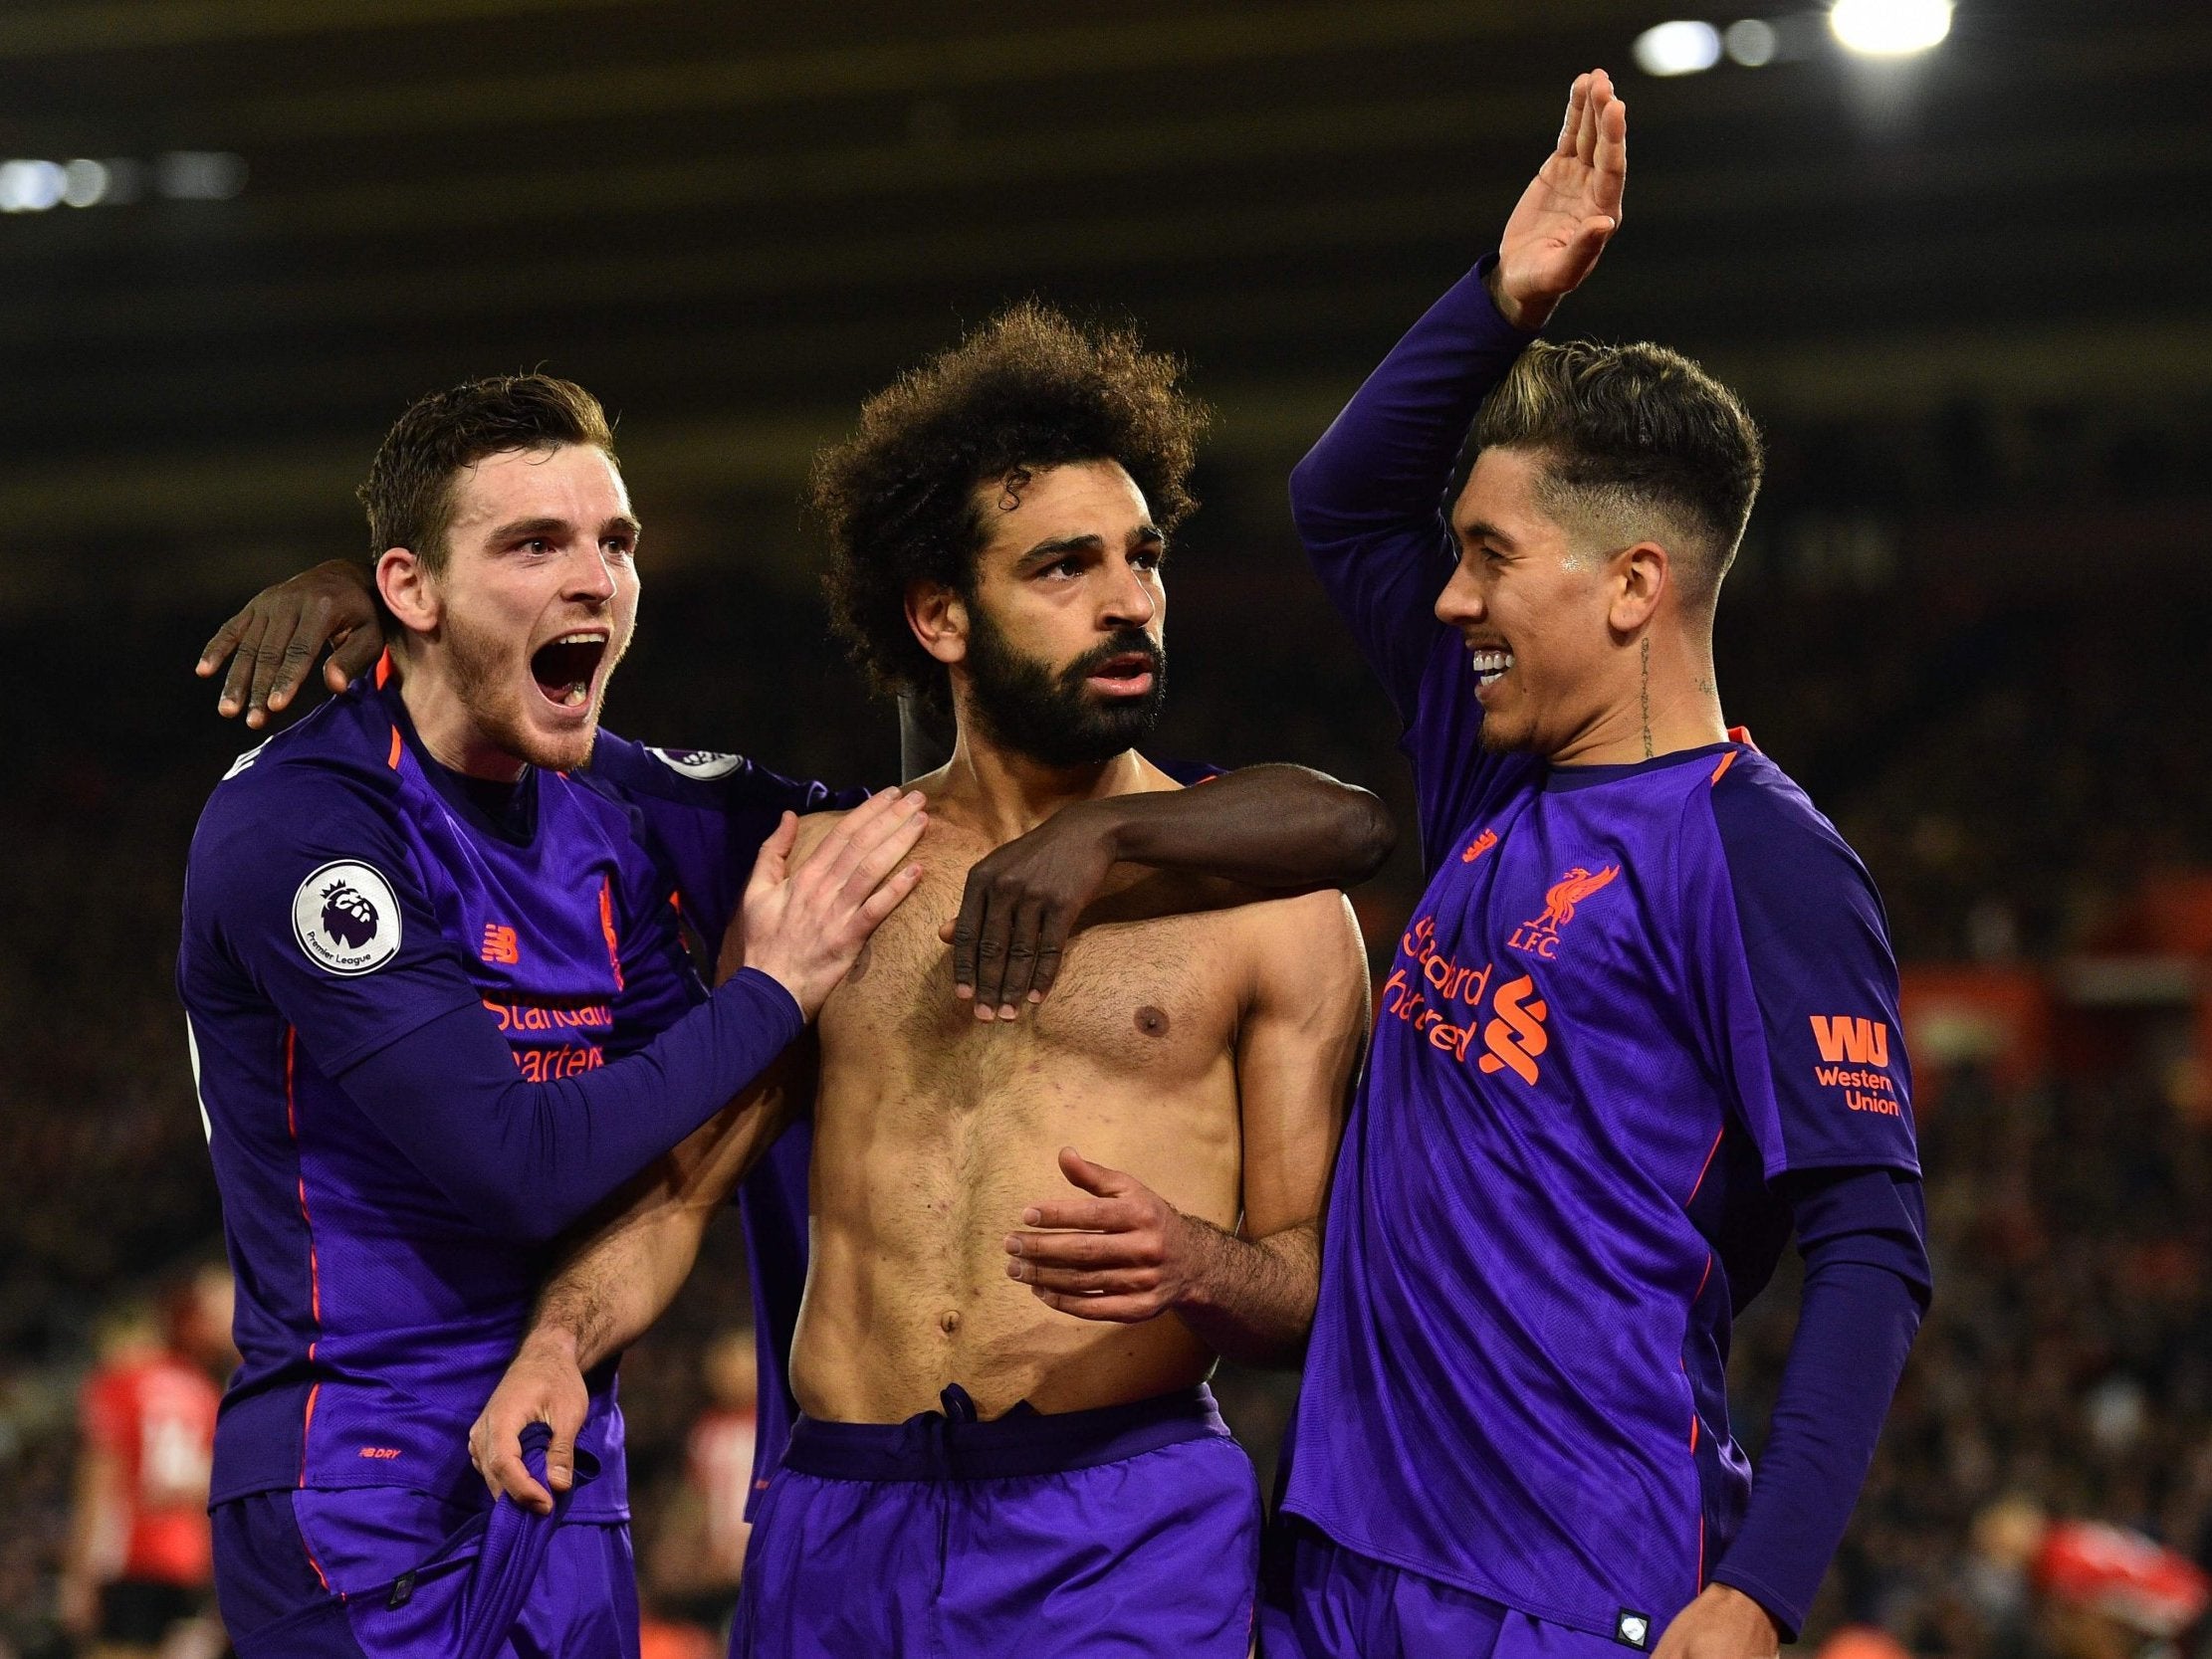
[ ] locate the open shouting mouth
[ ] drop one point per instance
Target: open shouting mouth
(564, 668)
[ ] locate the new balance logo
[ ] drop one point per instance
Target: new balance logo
(501, 944)
(1478, 846)
(1843, 1037)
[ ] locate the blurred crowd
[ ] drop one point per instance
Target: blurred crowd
(2015, 761)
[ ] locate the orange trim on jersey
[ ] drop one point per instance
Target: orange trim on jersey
(383, 670)
(1693, 1433)
(1743, 734)
(606, 927)
(1707, 1169)
(392, 760)
(1727, 760)
(1702, 1277)
(306, 1422)
(315, 1265)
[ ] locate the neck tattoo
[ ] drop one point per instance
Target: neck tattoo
(1645, 652)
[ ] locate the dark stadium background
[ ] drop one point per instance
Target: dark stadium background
(1966, 294)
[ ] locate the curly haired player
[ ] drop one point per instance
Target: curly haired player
(1035, 1224)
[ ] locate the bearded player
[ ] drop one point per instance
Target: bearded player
(1643, 1026)
(1032, 1236)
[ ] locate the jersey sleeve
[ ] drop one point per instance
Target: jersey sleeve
(705, 815)
(1793, 964)
(313, 896)
(310, 893)
(1370, 502)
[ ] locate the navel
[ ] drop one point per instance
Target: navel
(950, 1322)
(1151, 1021)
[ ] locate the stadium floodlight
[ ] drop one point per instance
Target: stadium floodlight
(85, 182)
(1680, 48)
(1889, 28)
(1752, 41)
(29, 186)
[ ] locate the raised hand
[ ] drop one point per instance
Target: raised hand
(543, 1385)
(279, 632)
(1569, 211)
(1122, 1255)
(804, 924)
(1020, 906)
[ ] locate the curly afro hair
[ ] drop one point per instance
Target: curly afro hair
(1028, 389)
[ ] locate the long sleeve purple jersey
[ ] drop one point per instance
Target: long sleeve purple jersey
(1643, 1019)
(425, 1043)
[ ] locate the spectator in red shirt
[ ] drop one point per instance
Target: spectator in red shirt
(139, 1567)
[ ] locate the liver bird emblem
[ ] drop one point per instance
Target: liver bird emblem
(1561, 897)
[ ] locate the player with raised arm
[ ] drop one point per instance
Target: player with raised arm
(439, 1010)
(1031, 1237)
(1641, 1027)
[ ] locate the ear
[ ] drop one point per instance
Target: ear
(1642, 575)
(409, 591)
(939, 618)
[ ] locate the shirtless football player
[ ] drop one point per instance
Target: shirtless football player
(1034, 1226)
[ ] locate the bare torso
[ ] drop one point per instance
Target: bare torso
(934, 1131)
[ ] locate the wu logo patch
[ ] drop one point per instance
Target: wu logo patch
(1632, 1629)
(1865, 1042)
(1539, 935)
(346, 918)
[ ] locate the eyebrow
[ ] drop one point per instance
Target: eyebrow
(1059, 546)
(1481, 529)
(522, 529)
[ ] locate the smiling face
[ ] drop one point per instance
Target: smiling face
(1536, 607)
(511, 643)
(1062, 658)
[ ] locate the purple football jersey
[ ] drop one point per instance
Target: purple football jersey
(343, 893)
(1631, 997)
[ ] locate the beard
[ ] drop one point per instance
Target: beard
(482, 669)
(1025, 705)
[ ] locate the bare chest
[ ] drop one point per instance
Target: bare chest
(1151, 1002)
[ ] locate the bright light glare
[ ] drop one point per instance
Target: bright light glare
(1683, 48)
(1889, 28)
(1751, 43)
(29, 186)
(197, 175)
(84, 182)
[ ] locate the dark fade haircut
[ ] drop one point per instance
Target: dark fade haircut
(1628, 434)
(409, 493)
(901, 499)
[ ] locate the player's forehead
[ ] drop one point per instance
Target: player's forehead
(1501, 498)
(576, 482)
(1072, 501)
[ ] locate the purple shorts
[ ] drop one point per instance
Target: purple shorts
(1129, 1531)
(384, 1573)
(1324, 1602)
